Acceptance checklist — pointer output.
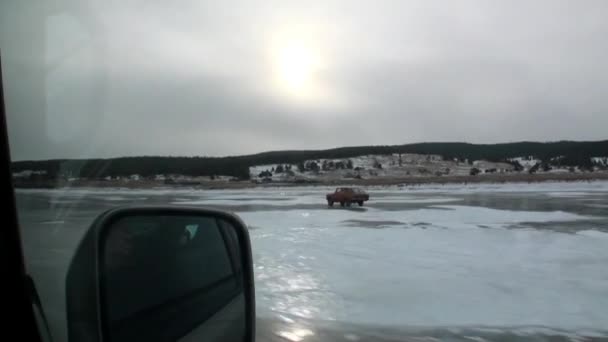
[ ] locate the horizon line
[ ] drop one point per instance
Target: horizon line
(307, 150)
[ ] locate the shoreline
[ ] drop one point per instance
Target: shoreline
(379, 181)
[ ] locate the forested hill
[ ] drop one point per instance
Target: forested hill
(571, 152)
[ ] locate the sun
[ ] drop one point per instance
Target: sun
(295, 66)
(300, 67)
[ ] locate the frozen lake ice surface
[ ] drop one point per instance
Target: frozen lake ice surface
(516, 256)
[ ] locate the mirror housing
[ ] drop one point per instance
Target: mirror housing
(162, 294)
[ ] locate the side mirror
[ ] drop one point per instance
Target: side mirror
(162, 274)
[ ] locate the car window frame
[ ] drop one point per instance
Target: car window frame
(17, 284)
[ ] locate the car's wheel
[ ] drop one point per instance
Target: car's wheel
(360, 203)
(330, 203)
(342, 204)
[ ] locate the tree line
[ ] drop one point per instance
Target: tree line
(568, 153)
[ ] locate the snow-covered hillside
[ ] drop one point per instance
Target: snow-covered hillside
(602, 161)
(408, 165)
(372, 166)
(527, 162)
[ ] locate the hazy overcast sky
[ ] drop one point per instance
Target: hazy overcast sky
(114, 78)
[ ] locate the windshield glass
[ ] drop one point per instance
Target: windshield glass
(476, 129)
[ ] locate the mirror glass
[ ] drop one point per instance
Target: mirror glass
(167, 278)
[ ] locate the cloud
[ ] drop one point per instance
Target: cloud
(90, 79)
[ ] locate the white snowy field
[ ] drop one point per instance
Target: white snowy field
(498, 255)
